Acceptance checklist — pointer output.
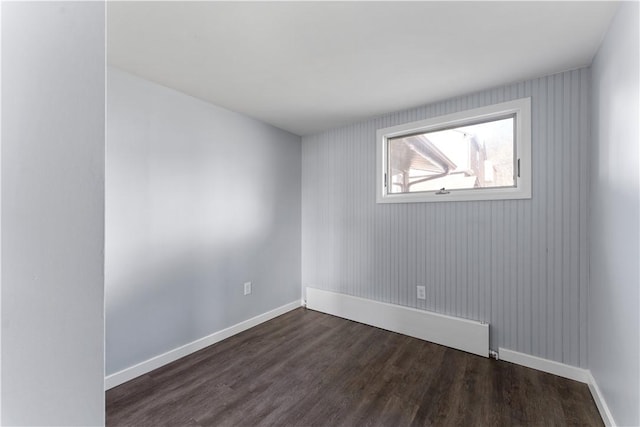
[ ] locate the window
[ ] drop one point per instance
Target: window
(479, 154)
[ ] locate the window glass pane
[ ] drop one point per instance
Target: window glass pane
(466, 157)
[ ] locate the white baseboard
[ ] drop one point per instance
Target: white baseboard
(545, 365)
(462, 334)
(562, 370)
(603, 408)
(149, 365)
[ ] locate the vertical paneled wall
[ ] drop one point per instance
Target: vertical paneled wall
(520, 265)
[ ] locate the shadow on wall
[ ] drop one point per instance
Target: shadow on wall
(166, 302)
(153, 308)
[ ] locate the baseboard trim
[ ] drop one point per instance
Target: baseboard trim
(463, 334)
(149, 365)
(545, 365)
(603, 408)
(565, 371)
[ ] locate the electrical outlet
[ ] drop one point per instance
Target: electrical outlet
(422, 294)
(247, 288)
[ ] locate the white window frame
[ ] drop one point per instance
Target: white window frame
(521, 108)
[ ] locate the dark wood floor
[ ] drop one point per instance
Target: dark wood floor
(310, 369)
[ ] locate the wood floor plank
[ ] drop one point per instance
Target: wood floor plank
(306, 368)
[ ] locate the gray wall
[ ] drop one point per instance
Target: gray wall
(520, 264)
(614, 227)
(199, 200)
(52, 213)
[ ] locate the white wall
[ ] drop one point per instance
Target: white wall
(52, 213)
(520, 265)
(199, 200)
(614, 226)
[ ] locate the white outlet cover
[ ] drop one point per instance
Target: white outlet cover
(422, 294)
(247, 288)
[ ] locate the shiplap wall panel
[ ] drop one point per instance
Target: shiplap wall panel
(520, 265)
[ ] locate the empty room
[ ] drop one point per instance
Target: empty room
(319, 213)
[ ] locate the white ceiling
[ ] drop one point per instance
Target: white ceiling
(310, 66)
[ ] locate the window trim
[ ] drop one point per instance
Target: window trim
(522, 190)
